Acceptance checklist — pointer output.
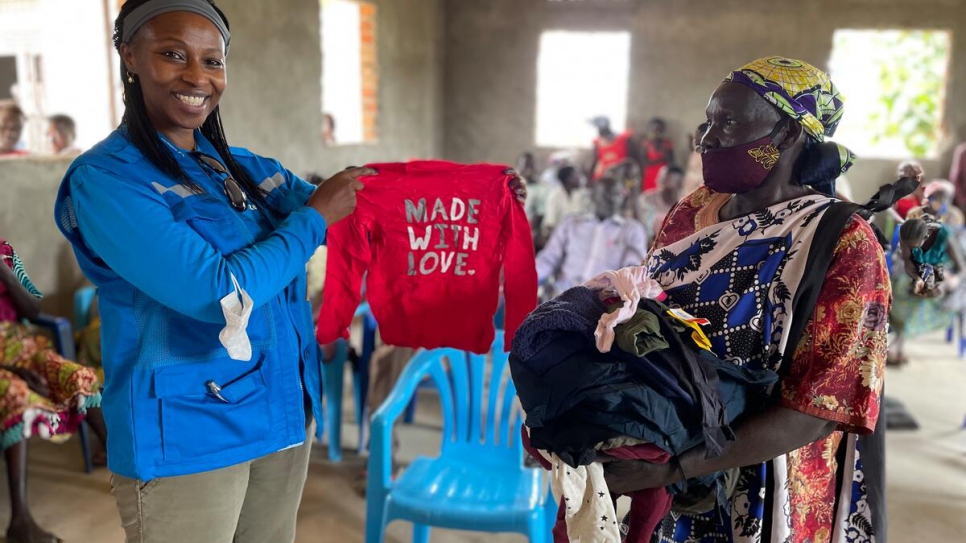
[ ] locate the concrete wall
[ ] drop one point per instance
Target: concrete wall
(27, 222)
(273, 106)
(274, 99)
(680, 52)
(458, 78)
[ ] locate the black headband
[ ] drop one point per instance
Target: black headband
(142, 14)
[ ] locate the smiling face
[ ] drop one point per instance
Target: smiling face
(179, 61)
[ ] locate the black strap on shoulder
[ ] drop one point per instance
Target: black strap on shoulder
(830, 227)
(827, 235)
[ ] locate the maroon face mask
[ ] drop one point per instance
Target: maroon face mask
(738, 169)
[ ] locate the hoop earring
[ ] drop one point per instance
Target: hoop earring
(130, 77)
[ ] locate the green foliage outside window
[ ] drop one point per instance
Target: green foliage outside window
(909, 69)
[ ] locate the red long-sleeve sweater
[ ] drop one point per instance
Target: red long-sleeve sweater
(433, 237)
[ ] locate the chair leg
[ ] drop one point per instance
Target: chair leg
(332, 381)
(550, 511)
(360, 380)
(961, 321)
(376, 519)
(320, 424)
(85, 441)
(420, 533)
(410, 413)
(538, 530)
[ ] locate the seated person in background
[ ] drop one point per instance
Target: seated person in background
(569, 197)
(588, 244)
(61, 133)
(913, 169)
(40, 393)
(11, 128)
(938, 202)
(537, 201)
(657, 151)
(653, 206)
(328, 130)
(612, 152)
(913, 314)
(526, 166)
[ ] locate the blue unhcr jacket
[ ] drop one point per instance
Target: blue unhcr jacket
(163, 258)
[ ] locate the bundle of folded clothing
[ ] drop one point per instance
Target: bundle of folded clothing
(606, 369)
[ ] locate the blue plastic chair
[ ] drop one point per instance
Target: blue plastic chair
(63, 334)
(478, 482)
(498, 319)
(333, 387)
(83, 300)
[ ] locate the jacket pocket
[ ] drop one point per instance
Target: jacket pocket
(168, 337)
(211, 407)
(213, 220)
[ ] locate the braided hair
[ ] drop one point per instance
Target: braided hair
(145, 137)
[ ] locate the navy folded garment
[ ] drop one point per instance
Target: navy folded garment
(575, 397)
(615, 401)
(575, 312)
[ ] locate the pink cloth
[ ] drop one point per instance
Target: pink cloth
(8, 313)
(630, 285)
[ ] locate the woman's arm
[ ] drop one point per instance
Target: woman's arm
(131, 228)
(759, 438)
(27, 305)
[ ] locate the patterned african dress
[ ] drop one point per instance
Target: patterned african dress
(742, 275)
(73, 388)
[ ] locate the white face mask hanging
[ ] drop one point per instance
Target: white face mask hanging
(237, 308)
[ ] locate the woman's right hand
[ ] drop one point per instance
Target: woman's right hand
(335, 199)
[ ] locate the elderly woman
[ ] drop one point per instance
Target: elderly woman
(735, 252)
(41, 394)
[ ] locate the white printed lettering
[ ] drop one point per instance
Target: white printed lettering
(419, 243)
(471, 240)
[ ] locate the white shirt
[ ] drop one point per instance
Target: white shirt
(560, 204)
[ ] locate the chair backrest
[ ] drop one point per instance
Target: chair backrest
(83, 299)
(478, 400)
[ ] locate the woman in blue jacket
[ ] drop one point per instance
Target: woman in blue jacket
(199, 252)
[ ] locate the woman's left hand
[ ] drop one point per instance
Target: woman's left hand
(518, 185)
(626, 476)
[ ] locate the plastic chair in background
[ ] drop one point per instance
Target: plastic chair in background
(83, 300)
(478, 482)
(63, 334)
(333, 385)
(360, 372)
(333, 381)
(498, 319)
